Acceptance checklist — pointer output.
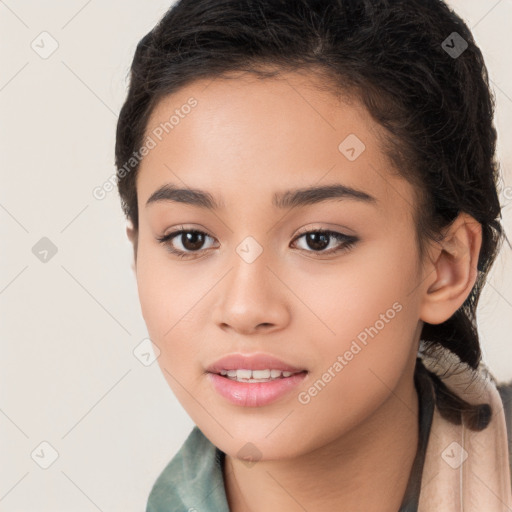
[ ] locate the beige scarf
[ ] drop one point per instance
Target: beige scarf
(466, 470)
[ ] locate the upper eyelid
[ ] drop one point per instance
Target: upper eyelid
(301, 232)
(176, 232)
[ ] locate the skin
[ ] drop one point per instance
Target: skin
(352, 446)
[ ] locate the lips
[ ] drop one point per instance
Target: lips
(251, 362)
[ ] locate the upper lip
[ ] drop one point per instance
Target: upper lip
(251, 362)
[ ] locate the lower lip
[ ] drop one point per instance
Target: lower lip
(255, 394)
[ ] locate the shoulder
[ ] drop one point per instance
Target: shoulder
(192, 475)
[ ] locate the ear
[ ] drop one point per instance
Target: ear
(132, 235)
(452, 272)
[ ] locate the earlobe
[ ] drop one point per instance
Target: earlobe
(454, 271)
(131, 233)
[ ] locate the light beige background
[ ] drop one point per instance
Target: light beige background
(69, 326)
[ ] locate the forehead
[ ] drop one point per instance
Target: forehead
(252, 136)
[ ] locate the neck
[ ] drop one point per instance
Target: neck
(366, 469)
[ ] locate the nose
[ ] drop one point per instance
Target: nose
(251, 299)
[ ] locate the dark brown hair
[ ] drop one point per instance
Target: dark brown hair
(413, 63)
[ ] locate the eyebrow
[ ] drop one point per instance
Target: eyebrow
(288, 199)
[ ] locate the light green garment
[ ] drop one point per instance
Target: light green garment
(192, 481)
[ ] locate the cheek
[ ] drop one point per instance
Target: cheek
(162, 289)
(371, 289)
(166, 309)
(155, 298)
(360, 366)
(167, 300)
(373, 319)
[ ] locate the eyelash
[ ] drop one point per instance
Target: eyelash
(349, 241)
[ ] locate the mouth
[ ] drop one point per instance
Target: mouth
(250, 392)
(254, 380)
(258, 366)
(254, 376)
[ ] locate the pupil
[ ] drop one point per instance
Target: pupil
(315, 237)
(193, 240)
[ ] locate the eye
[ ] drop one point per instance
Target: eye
(191, 241)
(320, 239)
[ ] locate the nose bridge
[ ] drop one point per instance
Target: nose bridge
(250, 294)
(249, 277)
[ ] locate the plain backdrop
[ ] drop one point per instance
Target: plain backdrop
(70, 316)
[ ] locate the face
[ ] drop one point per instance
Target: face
(256, 274)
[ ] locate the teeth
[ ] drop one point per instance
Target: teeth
(260, 374)
(243, 375)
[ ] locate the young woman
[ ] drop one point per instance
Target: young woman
(311, 187)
